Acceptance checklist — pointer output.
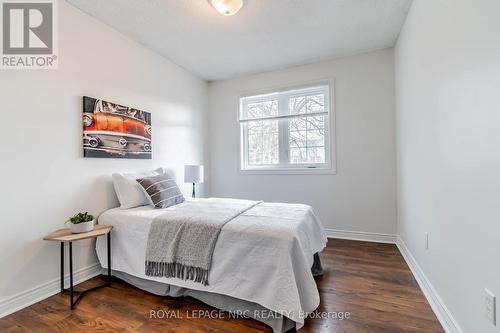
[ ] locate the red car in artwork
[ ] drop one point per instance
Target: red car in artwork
(113, 130)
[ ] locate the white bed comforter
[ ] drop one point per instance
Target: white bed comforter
(263, 255)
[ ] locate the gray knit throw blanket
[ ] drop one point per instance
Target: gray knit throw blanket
(181, 241)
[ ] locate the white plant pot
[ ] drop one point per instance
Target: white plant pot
(82, 227)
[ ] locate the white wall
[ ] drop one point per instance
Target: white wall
(45, 178)
(448, 120)
(361, 196)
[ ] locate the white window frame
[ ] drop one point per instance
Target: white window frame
(329, 167)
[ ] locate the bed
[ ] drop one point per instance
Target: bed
(261, 263)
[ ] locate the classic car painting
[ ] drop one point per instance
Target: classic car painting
(111, 130)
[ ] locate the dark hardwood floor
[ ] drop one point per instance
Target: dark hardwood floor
(371, 281)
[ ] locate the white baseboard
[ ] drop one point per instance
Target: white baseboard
(450, 325)
(44, 290)
(444, 315)
(361, 236)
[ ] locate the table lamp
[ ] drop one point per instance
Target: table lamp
(193, 174)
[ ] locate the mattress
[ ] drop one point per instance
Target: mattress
(263, 256)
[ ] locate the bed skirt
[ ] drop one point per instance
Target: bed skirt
(279, 324)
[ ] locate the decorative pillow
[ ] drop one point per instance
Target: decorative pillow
(129, 192)
(162, 190)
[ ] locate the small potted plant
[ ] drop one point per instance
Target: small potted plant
(81, 222)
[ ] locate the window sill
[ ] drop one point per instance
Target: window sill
(288, 171)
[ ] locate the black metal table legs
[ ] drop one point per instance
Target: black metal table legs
(62, 266)
(109, 256)
(74, 294)
(71, 303)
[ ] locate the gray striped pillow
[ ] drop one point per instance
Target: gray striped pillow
(162, 190)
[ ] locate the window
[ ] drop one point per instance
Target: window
(286, 130)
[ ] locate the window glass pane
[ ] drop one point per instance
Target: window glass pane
(256, 127)
(297, 105)
(298, 124)
(316, 123)
(315, 103)
(307, 146)
(306, 104)
(262, 109)
(298, 155)
(298, 139)
(307, 155)
(316, 155)
(315, 138)
(263, 142)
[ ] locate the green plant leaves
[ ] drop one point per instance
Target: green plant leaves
(81, 218)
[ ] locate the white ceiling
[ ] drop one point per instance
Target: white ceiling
(265, 35)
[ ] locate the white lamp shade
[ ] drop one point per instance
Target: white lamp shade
(193, 173)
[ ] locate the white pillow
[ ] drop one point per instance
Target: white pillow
(129, 192)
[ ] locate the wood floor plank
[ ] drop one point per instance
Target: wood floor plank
(371, 281)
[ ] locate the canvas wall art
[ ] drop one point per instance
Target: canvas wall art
(112, 130)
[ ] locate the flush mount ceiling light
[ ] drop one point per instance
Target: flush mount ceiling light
(227, 7)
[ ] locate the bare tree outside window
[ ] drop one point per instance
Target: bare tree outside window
(307, 133)
(263, 146)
